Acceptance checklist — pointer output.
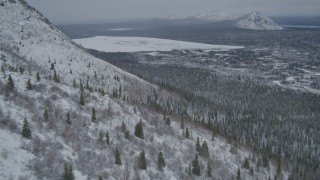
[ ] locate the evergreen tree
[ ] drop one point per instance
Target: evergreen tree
(238, 175)
(205, 149)
(120, 92)
(100, 178)
(168, 121)
(81, 86)
(2, 69)
(265, 161)
(138, 132)
(46, 115)
(71, 175)
(74, 83)
(187, 133)
(93, 117)
(29, 85)
(10, 83)
(209, 169)
(52, 66)
(196, 166)
(81, 100)
(117, 157)
(142, 161)
(56, 77)
(38, 77)
(65, 175)
(68, 118)
(182, 123)
(161, 161)
(123, 127)
(127, 134)
(107, 138)
(87, 85)
(246, 164)
(26, 132)
(101, 136)
(68, 173)
(198, 147)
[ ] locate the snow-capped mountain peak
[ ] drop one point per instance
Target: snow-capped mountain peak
(212, 16)
(257, 21)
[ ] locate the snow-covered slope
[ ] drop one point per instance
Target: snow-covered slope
(257, 21)
(30, 45)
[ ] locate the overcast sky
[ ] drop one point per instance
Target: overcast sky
(86, 11)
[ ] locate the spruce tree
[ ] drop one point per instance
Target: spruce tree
(45, 115)
(127, 134)
(107, 138)
(100, 177)
(209, 169)
(87, 85)
(117, 157)
(168, 121)
(161, 161)
(187, 133)
(81, 100)
(65, 175)
(196, 166)
(28, 85)
(52, 66)
(74, 84)
(93, 117)
(38, 77)
(56, 77)
(101, 135)
(26, 132)
(71, 175)
(10, 83)
(123, 127)
(68, 120)
(81, 86)
(238, 175)
(138, 132)
(142, 161)
(68, 173)
(182, 123)
(205, 149)
(198, 147)
(2, 69)
(246, 164)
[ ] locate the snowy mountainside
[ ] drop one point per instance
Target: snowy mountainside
(257, 21)
(212, 16)
(72, 100)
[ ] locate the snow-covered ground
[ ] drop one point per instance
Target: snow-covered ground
(29, 42)
(134, 44)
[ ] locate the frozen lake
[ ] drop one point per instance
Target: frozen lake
(135, 44)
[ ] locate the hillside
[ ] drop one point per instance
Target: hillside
(81, 109)
(257, 21)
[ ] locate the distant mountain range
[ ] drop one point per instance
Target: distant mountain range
(252, 21)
